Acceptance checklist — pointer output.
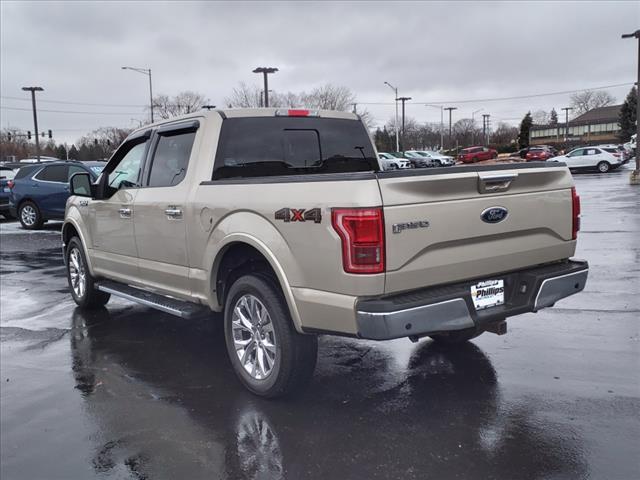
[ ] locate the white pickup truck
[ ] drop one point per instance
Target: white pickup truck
(284, 221)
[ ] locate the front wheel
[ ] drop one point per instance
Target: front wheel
(269, 357)
(603, 167)
(81, 283)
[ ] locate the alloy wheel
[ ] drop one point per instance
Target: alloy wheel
(254, 337)
(77, 273)
(28, 215)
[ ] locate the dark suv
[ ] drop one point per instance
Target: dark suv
(39, 191)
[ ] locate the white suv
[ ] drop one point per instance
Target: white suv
(590, 158)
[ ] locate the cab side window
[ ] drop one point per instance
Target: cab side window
(126, 172)
(171, 159)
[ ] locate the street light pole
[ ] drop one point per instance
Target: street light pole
(441, 123)
(145, 71)
(473, 124)
(403, 99)
(395, 89)
(33, 91)
(566, 123)
(485, 128)
(265, 71)
(636, 35)
(450, 109)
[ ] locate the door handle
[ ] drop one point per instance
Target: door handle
(125, 212)
(173, 212)
(495, 183)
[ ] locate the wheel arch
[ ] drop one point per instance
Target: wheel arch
(241, 253)
(71, 228)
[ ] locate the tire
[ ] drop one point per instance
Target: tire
(30, 216)
(604, 167)
(267, 332)
(81, 283)
(456, 337)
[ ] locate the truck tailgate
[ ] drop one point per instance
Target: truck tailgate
(435, 232)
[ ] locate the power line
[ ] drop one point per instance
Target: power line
(71, 111)
(496, 99)
(66, 102)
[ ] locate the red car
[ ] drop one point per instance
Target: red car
(476, 154)
(538, 155)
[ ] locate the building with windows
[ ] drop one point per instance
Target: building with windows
(599, 125)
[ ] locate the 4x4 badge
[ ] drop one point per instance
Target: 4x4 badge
(299, 215)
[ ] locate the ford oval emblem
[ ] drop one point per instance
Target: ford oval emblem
(494, 214)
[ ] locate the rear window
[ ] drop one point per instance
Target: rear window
(7, 174)
(268, 146)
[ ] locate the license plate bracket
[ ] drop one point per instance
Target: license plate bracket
(487, 294)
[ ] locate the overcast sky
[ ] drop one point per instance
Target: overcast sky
(433, 52)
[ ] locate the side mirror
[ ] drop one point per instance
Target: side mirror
(80, 185)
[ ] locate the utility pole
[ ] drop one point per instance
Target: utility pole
(403, 99)
(566, 123)
(636, 35)
(473, 125)
(33, 91)
(441, 123)
(265, 71)
(147, 72)
(485, 128)
(450, 109)
(395, 89)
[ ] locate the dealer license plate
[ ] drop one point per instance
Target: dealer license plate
(489, 293)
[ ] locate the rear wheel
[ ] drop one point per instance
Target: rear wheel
(81, 283)
(30, 216)
(269, 357)
(603, 167)
(457, 336)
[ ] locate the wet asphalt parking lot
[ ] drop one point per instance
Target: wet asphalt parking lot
(130, 393)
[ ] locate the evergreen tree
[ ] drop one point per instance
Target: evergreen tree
(61, 152)
(554, 117)
(73, 153)
(525, 129)
(84, 154)
(627, 119)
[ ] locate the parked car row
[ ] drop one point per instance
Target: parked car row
(38, 192)
(414, 159)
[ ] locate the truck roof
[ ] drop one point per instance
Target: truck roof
(255, 112)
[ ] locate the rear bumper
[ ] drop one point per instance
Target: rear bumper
(447, 308)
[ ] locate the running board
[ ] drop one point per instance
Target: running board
(179, 308)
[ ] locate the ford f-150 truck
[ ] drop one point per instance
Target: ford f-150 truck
(284, 221)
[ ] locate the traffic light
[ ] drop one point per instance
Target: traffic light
(95, 141)
(29, 134)
(50, 134)
(9, 135)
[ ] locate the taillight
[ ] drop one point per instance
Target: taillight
(10, 184)
(362, 233)
(575, 206)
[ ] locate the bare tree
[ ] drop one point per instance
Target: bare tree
(505, 134)
(104, 141)
(541, 117)
(329, 97)
(185, 102)
(582, 102)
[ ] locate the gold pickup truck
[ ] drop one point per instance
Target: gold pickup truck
(284, 221)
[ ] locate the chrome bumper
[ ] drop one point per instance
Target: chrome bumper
(448, 308)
